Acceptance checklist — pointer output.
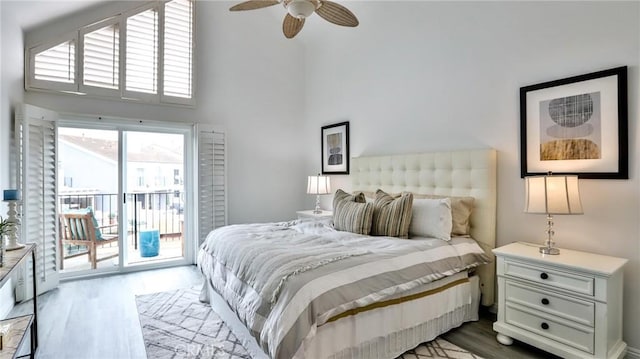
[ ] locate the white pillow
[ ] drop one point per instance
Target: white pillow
(431, 218)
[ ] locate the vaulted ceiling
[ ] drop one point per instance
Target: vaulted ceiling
(30, 14)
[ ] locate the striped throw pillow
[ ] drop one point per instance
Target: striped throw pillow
(351, 214)
(344, 196)
(392, 216)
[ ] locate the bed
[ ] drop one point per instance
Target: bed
(379, 298)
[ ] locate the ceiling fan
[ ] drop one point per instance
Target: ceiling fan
(299, 10)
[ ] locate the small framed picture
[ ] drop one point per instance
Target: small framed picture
(577, 125)
(335, 148)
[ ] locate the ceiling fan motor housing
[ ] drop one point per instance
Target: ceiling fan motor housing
(300, 9)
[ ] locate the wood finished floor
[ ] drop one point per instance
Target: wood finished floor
(97, 319)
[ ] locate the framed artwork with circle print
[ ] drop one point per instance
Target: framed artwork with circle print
(577, 125)
(335, 148)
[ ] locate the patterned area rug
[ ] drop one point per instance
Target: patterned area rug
(177, 325)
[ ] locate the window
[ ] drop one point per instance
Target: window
(159, 180)
(178, 48)
(53, 66)
(176, 176)
(100, 52)
(101, 57)
(140, 176)
(142, 52)
(57, 63)
(145, 54)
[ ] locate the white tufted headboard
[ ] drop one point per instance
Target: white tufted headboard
(455, 173)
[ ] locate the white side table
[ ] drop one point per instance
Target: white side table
(568, 304)
(310, 214)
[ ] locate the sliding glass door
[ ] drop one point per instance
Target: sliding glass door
(88, 186)
(154, 187)
(130, 184)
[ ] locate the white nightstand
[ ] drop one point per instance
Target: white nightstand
(568, 304)
(310, 214)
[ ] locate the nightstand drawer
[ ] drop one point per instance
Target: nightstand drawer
(574, 283)
(577, 336)
(555, 304)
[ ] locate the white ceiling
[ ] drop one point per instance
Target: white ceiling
(29, 14)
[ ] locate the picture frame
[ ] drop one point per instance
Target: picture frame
(335, 148)
(576, 125)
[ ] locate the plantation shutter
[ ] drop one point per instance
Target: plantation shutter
(141, 66)
(36, 139)
(53, 66)
(57, 63)
(178, 48)
(101, 50)
(212, 181)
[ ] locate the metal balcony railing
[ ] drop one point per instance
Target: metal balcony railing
(146, 210)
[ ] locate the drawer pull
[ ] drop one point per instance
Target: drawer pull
(544, 326)
(545, 301)
(544, 275)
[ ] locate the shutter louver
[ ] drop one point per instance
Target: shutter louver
(37, 173)
(220, 180)
(142, 52)
(212, 199)
(57, 63)
(101, 57)
(178, 52)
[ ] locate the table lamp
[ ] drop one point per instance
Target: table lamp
(12, 196)
(552, 195)
(318, 185)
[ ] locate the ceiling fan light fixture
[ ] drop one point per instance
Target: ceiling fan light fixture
(300, 9)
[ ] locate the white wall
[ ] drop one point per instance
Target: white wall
(10, 92)
(10, 89)
(422, 76)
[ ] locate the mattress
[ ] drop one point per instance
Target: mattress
(371, 335)
(285, 283)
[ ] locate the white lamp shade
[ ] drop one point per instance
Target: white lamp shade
(318, 185)
(552, 195)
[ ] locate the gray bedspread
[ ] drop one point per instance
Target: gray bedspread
(285, 279)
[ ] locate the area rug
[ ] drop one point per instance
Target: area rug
(176, 325)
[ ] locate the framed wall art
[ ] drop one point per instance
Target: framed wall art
(577, 125)
(335, 148)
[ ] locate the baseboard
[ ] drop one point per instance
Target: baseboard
(493, 308)
(632, 353)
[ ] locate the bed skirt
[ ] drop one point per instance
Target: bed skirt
(384, 332)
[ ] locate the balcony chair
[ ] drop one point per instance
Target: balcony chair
(81, 228)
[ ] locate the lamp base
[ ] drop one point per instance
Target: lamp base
(14, 246)
(549, 250)
(317, 210)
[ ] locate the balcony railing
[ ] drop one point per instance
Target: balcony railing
(149, 210)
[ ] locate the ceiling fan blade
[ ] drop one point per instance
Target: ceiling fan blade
(291, 26)
(253, 4)
(337, 14)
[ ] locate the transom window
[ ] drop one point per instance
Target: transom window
(145, 54)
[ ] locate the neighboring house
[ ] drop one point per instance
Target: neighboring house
(83, 165)
(88, 165)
